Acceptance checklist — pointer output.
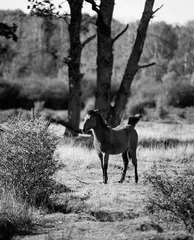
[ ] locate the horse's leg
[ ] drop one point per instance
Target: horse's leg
(105, 175)
(102, 164)
(125, 162)
(134, 161)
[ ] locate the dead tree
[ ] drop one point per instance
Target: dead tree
(105, 42)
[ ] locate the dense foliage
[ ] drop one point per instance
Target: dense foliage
(36, 61)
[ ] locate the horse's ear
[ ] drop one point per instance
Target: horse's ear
(96, 111)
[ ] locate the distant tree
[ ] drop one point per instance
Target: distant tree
(8, 31)
(46, 8)
(164, 41)
(161, 45)
(183, 61)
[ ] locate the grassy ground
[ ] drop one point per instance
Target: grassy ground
(116, 211)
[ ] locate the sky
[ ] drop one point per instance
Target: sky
(173, 11)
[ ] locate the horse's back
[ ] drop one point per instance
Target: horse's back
(124, 137)
(127, 130)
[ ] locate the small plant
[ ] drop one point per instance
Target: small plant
(172, 198)
(26, 161)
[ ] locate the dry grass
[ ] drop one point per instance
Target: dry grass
(118, 211)
(182, 132)
(17, 211)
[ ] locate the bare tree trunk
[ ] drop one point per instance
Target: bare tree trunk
(116, 113)
(104, 56)
(73, 61)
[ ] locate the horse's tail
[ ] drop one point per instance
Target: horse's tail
(134, 120)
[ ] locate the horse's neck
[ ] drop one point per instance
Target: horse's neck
(101, 129)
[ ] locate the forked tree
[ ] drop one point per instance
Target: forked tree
(105, 58)
(105, 42)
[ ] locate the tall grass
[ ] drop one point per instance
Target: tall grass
(16, 211)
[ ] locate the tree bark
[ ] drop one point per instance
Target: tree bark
(104, 56)
(73, 61)
(116, 113)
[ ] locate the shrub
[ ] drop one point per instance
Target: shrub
(26, 161)
(180, 94)
(172, 198)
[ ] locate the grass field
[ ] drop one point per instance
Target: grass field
(95, 211)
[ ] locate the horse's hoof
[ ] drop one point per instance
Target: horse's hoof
(121, 181)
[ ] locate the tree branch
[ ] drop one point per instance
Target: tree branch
(121, 33)
(157, 9)
(87, 41)
(66, 124)
(94, 6)
(146, 65)
(76, 177)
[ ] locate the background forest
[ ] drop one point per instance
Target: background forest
(33, 68)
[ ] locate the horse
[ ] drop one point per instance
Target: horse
(111, 141)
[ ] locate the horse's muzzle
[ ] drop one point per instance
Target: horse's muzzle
(84, 130)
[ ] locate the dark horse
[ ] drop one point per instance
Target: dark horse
(107, 140)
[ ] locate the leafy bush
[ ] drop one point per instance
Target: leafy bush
(172, 198)
(26, 161)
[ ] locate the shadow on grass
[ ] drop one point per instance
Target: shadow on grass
(148, 226)
(107, 216)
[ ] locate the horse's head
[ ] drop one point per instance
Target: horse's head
(90, 120)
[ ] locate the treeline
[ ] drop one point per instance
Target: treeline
(34, 67)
